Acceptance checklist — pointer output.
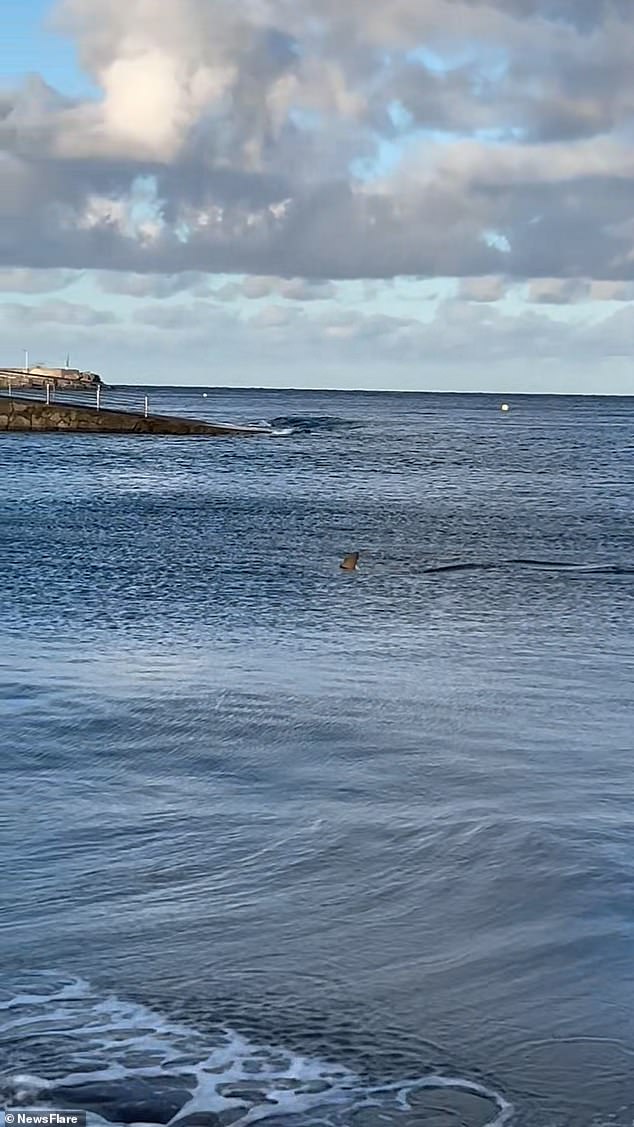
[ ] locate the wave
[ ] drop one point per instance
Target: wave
(123, 1062)
(541, 565)
(582, 568)
(308, 424)
(461, 566)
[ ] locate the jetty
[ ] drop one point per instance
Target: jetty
(45, 400)
(22, 414)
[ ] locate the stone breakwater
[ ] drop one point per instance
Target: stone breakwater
(66, 379)
(31, 415)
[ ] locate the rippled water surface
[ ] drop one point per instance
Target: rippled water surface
(287, 844)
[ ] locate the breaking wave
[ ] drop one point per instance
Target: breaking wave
(308, 424)
(69, 1046)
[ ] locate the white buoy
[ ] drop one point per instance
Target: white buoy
(204, 394)
(504, 407)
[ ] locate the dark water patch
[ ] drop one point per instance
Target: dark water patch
(311, 424)
(467, 565)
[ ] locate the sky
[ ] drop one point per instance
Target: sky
(400, 194)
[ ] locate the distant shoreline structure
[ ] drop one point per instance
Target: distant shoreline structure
(40, 375)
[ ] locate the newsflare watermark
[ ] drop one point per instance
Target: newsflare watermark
(36, 1118)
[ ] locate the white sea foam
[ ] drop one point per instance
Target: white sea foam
(63, 1035)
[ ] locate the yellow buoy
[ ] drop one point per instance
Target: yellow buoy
(504, 407)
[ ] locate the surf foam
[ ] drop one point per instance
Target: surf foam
(68, 1046)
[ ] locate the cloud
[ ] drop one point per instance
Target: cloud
(484, 289)
(459, 343)
(55, 312)
(611, 291)
(152, 285)
(272, 317)
(293, 289)
(195, 317)
(16, 280)
(451, 138)
(568, 291)
(557, 291)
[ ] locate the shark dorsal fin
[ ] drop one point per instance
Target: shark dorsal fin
(349, 561)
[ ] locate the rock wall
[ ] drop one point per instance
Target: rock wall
(17, 414)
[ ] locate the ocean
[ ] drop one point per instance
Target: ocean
(291, 845)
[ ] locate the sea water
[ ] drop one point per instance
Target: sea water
(291, 845)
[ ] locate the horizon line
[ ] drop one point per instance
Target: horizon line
(384, 391)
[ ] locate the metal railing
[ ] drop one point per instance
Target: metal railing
(131, 400)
